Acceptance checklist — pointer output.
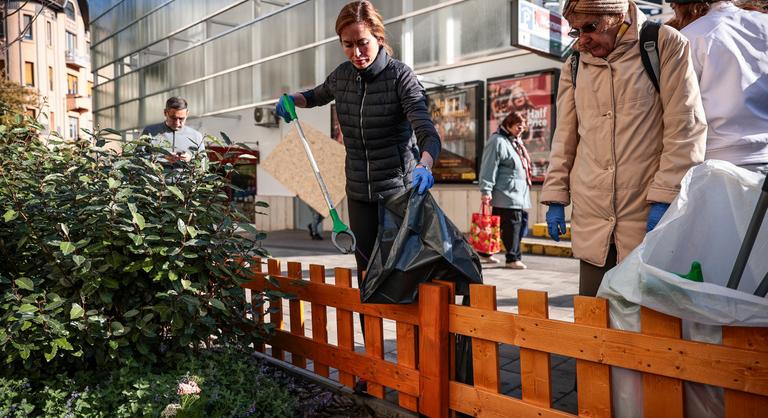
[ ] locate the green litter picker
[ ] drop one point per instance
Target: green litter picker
(340, 230)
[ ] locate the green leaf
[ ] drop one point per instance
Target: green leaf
(67, 247)
(78, 259)
(25, 283)
(117, 328)
(112, 183)
(248, 227)
(138, 219)
(186, 284)
(172, 275)
(131, 313)
(27, 308)
(10, 215)
(77, 311)
(192, 231)
(218, 304)
(64, 229)
(63, 343)
(176, 192)
(113, 344)
(225, 137)
(52, 354)
(182, 227)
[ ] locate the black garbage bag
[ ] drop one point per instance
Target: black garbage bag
(416, 243)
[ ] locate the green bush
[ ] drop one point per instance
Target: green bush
(231, 385)
(108, 257)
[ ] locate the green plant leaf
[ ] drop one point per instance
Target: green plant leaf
(10, 215)
(25, 283)
(248, 227)
(49, 356)
(76, 311)
(176, 192)
(181, 226)
(186, 284)
(27, 308)
(63, 343)
(138, 219)
(78, 259)
(172, 275)
(131, 313)
(67, 247)
(225, 137)
(117, 328)
(192, 231)
(218, 304)
(64, 229)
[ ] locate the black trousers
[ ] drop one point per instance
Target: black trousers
(511, 231)
(364, 223)
(590, 275)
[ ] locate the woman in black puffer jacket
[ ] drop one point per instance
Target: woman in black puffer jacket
(380, 104)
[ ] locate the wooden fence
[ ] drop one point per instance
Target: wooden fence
(424, 376)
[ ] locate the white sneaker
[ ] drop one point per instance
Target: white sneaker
(516, 265)
(489, 260)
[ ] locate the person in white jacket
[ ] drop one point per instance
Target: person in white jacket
(729, 48)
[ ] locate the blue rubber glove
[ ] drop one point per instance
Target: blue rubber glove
(556, 221)
(422, 178)
(655, 214)
(282, 111)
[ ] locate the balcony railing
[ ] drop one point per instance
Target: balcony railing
(76, 61)
(77, 103)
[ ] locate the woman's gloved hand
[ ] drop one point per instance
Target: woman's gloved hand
(654, 215)
(281, 111)
(422, 178)
(556, 221)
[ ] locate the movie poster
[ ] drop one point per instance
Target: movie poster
(534, 94)
(457, 114)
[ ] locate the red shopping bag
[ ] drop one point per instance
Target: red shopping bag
(485, 232)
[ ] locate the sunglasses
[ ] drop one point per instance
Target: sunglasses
(588, 28)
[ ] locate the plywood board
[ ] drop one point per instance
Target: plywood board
(288, 163)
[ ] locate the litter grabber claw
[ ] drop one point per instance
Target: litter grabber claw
(341, 231)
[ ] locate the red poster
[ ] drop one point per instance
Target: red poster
(534, 94)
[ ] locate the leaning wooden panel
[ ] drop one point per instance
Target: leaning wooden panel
(374, 347)
(662, 396)
(319, 318)
(402, 379)
(712, 364)
(344, 298)
(345, 332)
(406, 357)
(276, 307)
(433, 350)
(593, 379)
(296, 307)
(534, 365)
(485, 354)
(741, 404)
(485, 404)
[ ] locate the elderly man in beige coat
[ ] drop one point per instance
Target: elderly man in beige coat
(620, 148)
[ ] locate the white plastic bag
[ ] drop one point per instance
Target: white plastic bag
(706, 223)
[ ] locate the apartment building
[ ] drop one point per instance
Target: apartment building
(45, 45)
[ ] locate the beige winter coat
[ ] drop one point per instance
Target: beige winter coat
(619, 145)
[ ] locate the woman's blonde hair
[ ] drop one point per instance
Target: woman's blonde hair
(363, 12)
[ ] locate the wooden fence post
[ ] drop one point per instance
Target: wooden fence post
(594, 379)
(345, 332)
(662, 396)
(374, 347)
(257, 303)
(319, 318)
(434, 353)
(485, 354)
(741, 404)
(276, 307)
(535, 365)
(297, 318)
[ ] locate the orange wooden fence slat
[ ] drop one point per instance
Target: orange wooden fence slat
(433, 350)
(374, 347)
(402, 379)
(741, 404)
(257, 303)
(451, 338)
(534, 365)
(482, 403)
(712, 364)
(406, 357)
(593, 379)
(345, 332)
(345, 298)
(319, 318)
(662, 396)
(276, 307)
(296, 307)
(485, 354)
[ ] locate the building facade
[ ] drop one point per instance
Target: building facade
(46, 46)
(230, 57)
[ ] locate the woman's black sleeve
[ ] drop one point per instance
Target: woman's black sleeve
(322, 94)
(413, 98)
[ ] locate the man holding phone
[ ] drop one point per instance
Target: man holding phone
(173, 135)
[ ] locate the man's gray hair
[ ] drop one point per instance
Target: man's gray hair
(177, 103)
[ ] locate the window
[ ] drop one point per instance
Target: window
(29, 74)
(71, 46)
(89, 89)
(73, 127)
(71, 84)
(69, 10)
(49, 32)
(50, 78)
(28, 28)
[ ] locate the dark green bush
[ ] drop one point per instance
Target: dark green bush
(231, 384)
(108, 257)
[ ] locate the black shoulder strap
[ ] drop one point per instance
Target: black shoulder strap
(574, 67)
(649, 51)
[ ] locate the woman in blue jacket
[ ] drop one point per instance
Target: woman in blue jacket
(505, 182)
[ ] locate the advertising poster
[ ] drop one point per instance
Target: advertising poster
(539, 29)
(534, 94)
(457, 113)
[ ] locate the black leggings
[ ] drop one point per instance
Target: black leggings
(364, 223)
